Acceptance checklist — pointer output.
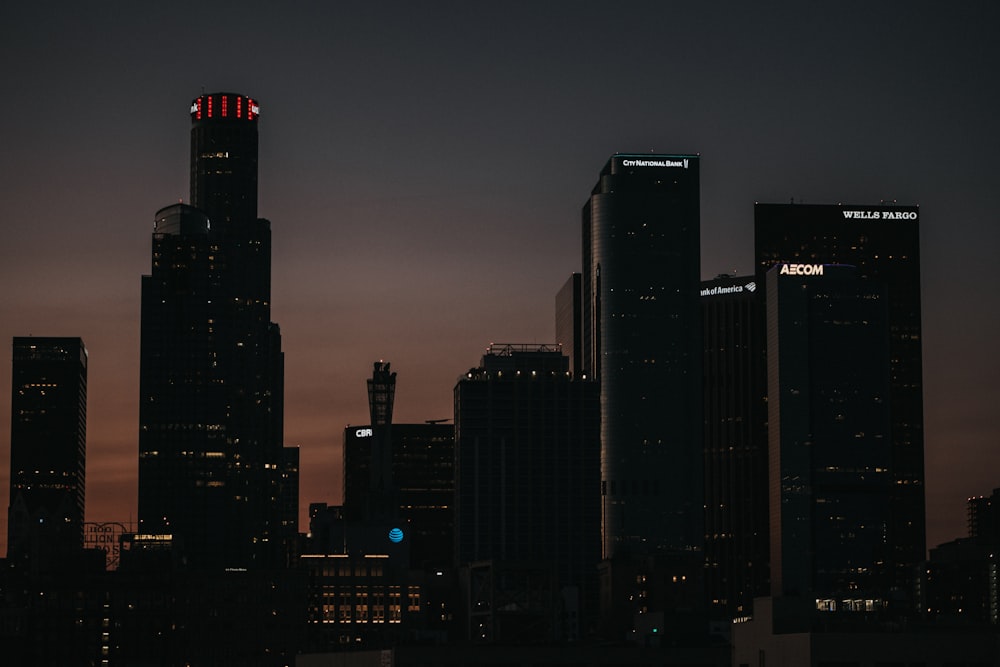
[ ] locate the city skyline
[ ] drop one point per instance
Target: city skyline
(424, 183)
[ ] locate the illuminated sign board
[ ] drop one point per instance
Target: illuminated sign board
(801, 270)
(395, 535)
(104, 536)
(363, 433)
(879, 215)
(630, 162)
(718, 290)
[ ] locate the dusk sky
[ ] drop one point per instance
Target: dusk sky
(423, 165)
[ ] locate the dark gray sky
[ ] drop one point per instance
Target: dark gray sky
(424, 166)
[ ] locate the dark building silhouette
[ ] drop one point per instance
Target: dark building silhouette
(829, 437)
(381, 501)
(882, 242)
(642, 340)
(569, 322)
(960, 584)
(984, 517)
(212, 470)
(735, 411)
(526, 474)
(48, 451)
(422, 462)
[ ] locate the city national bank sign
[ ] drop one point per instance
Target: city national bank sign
(660, 162)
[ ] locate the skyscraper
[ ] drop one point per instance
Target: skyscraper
(526, 465)
(736, 490)
(828, 434)
(883, 243)
(642, 340)
(211, 461)
(48, 450)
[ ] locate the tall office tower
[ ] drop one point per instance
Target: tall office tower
(381, 492)
(423, 480)
(527, 465)
(569, 321)
(642, 340)
(883, 243)
(735, 409)
(211, 461)
(829, 437)
(48, 450)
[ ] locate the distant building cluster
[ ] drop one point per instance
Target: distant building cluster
(722, 472)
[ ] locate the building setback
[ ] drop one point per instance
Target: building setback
(211, 463)
(48, 450)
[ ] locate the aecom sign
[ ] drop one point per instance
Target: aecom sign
(801, 270)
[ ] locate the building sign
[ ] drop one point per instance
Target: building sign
(663, 162)
(718, 290)
(363, 433)
(801, 270)
(104, 536)
(880, 215)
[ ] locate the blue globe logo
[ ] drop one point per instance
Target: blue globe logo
(395, 535)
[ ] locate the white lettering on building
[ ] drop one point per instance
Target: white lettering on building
(801, 270)
(363, 433)
(656, 163)
(880, 215)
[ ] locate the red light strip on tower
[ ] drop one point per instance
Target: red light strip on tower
(209, 106)
(239, 106)
(225, 105)
(197, 113)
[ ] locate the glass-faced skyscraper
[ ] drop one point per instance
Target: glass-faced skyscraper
(883, 243)
(735, 413)
(642, 340)
(48, 439)
(211, 377)
(830, 450)
(526, 465)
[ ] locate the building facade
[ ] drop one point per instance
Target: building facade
(527, 466)
(735, 411)
(48, 450)
(829, 438)
(883, 243)
(211, 463)
(569, 321)
(424, 481)
(642, 340)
